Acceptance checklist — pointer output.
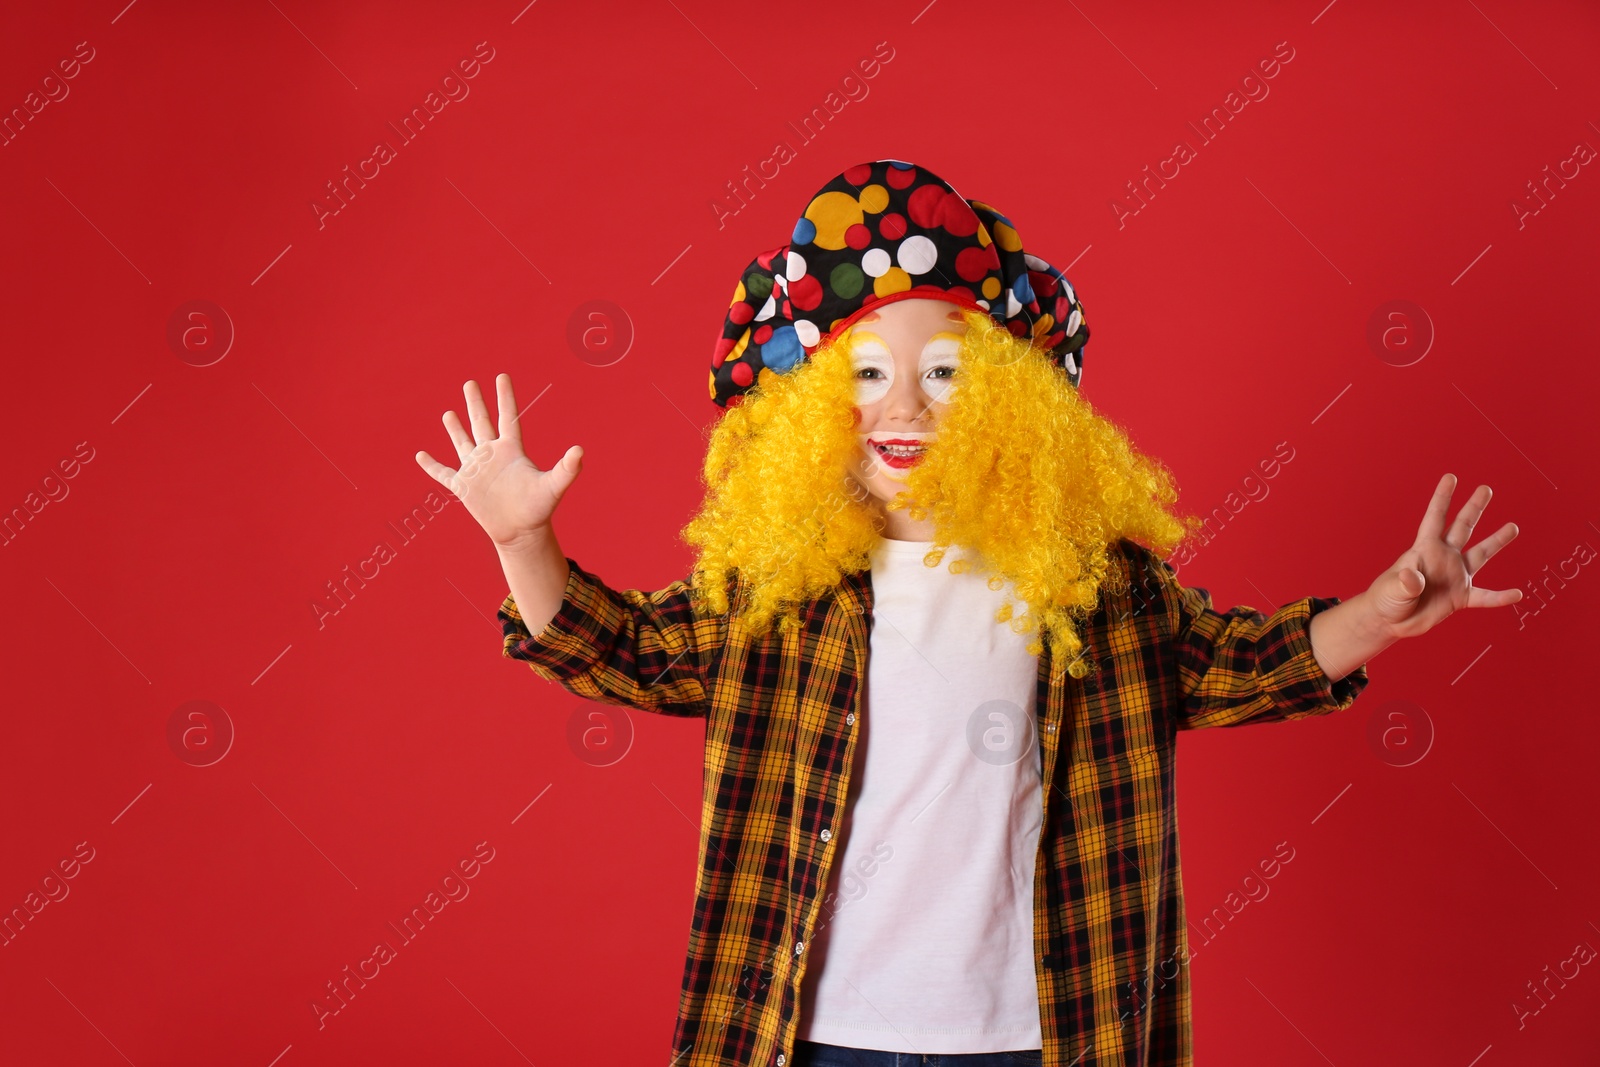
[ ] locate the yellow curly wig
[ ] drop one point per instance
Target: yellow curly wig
(1022, 470)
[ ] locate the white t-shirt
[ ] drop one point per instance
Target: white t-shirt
(927, 944)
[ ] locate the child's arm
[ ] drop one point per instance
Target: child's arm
(1229, 668)
(1243, 666)
(649, 651)
(536, 574)
(643, 650)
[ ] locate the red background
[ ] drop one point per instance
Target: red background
(372, 753)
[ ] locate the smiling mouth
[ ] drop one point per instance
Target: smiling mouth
(900, 455)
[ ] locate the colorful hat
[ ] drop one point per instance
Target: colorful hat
(880, 232)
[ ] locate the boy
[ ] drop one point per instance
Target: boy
(993, 878)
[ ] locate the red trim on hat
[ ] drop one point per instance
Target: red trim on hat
(926, 292)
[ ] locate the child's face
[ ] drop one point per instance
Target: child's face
(904, 356)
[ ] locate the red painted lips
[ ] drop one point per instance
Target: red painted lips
(901, 460)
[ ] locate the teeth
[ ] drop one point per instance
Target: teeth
(901, 450)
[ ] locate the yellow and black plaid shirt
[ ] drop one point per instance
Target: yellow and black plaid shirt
(782, 713)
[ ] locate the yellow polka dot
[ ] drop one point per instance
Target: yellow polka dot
(991, 288)
(893, 280)
(1007, 238)
(738, 294)
(766, 377)
(738, 349)
(711, 384)
(1043, 325)
(984, 239)
(832, 214)
(874, 198)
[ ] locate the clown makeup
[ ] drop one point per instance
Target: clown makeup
(904, 359)
(873, 366)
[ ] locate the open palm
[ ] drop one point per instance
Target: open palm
(1434, 578)
(502, 489)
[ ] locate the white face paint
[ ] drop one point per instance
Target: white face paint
(872, 367)
(938, 364)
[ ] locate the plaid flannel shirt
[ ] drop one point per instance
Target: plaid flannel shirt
(781, 711)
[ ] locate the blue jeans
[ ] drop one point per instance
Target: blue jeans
(815, 1054)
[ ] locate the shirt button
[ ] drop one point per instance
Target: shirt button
(826, 835)
(799, 947)
(780, 1059)
(1050, 729)
(850, 719)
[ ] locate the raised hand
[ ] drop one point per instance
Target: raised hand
(1434, 577)
(509, 497)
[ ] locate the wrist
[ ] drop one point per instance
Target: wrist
(534, 542)
(1373, 630)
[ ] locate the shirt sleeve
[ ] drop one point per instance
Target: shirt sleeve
(1243, 666)
(645, 650)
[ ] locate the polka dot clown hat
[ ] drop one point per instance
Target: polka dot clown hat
(880, 232)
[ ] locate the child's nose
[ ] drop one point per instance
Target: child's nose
(908, 400)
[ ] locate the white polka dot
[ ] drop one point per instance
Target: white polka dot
(875, 264)
(1073, 320)
(796, 268)
(1013, 305)
(767, 310)
(1072, 295)
(984, 304)
(1035, 263)
(806, 332)
(917, 255)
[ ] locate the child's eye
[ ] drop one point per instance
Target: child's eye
(952, 371)
(865, 371)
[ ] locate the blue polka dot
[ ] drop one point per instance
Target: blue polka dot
(805, 231)
(1022, 290)
(897, 165)
(782, 350)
